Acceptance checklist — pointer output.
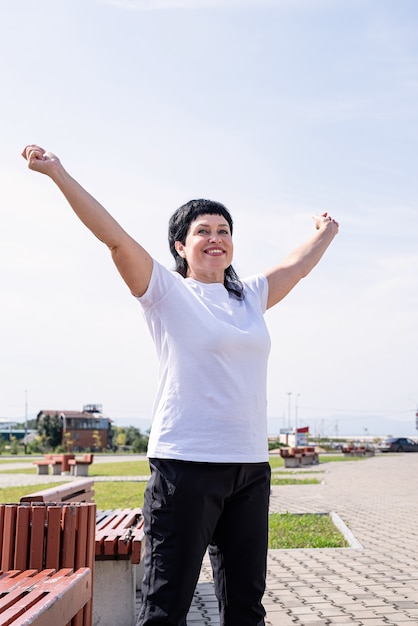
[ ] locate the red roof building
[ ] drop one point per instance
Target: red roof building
(82, 430)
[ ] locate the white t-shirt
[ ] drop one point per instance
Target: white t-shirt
(213, 351)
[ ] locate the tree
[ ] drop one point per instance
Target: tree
(130, 437)
(120, 438)
(68, 442)
(97, 441)
(14, 448)
(140, 444)
(50, 430)
(131, 433)
(34, 446)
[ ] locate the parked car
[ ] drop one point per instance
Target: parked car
(398, 444)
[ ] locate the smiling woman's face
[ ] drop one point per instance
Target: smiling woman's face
(208, 248)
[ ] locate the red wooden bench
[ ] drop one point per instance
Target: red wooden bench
(119, 549)
(120, 534)
(57, 462)
(80, 466)
(356, 450)
(43, 598)
(296, 457)
(45, 536)
(74, 491)
(47, 462)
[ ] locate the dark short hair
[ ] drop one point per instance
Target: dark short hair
(178, 227)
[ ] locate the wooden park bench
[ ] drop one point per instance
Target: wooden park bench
(43, 598)
(45, 537)
(298, 457)
(120, 534)
(58, 463)
(356, 450)
(119, 548)
(80, 466)
(48, 462)
(74, 491)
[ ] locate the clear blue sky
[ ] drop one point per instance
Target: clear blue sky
(278, 108)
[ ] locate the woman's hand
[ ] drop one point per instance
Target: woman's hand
(40, 160)
(324, 220)
(132, 260)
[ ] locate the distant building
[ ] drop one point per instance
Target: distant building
(81, 430)
(9, 430)
(294, 438)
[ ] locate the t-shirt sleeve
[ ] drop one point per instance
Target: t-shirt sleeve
(258, 285)
(161, 282)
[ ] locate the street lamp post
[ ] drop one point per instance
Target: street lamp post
(25, 445)
(289, 411)
(296, 412)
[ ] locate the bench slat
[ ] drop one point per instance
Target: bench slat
(9, 579)
(1, 530)
(68, 543)
(138, 547)
(53, 541)
(82, 533)
(16, 587)
(9, 530)
(108, 518)
(91, 530)
(135, 546)
(49, 598)
(36, 550)
(119, 518)
(22, 537)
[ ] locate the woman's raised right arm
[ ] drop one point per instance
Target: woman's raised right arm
(131, 259)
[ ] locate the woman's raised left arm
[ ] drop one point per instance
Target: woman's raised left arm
(283, 277)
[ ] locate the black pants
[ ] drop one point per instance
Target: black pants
(189, 506)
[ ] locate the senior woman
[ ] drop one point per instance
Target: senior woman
(208, 453)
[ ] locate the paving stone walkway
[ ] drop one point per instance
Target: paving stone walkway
(372, 585)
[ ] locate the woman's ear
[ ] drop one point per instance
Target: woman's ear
(180, 249)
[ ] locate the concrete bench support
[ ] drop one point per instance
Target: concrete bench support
(120, 548)
(115, 584)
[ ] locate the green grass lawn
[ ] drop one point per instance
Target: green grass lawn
(294, 480)
(107, 495)
(122, 468)
(285, 530)
(15, 459)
